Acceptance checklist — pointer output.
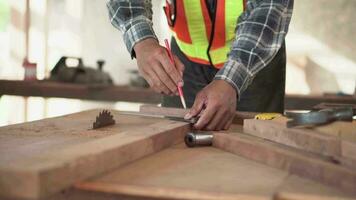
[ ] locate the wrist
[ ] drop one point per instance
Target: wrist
(226, 86)
(143, 44)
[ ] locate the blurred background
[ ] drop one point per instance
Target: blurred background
(321, 49)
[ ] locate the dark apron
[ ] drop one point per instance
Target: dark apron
(265, 94)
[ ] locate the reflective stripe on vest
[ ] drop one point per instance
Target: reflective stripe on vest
(193, 29)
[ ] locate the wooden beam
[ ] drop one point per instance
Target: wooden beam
(179, 172)
(307, 102)
(46, 172)
(132, 94)
(152, 192)
(292, 160)
(337, 140)
(78, 91)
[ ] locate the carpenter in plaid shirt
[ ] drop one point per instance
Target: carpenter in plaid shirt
(252, 76)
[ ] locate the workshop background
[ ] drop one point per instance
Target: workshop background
(320, 46)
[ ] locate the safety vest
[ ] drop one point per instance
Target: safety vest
(203, 38)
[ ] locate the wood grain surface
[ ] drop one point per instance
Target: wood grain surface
(337, 139)
(41, 158)
(191, 173)
(179, 172)
(294, 161)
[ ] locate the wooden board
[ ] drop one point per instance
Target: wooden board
(294, 161)
(41, 158)
(205, 173)
(78, 91)
(178, 112)
(297, 188)
(190, 173)
(307, 102)
(337, 139)
(133, 94)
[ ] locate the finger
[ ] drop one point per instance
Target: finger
(157, 84)
(196, 108)
(223, 122)
(164, 77)
(170, 69)
(179, 65)
(206, 117)
(228, 124)
(216, 121)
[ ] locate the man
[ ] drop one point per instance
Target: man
(230, 54)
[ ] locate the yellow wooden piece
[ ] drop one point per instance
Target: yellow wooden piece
(267, 116)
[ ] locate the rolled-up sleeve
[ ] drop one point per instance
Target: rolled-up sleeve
(260, 33)
(134, 19)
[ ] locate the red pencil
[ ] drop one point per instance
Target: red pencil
(180, 91)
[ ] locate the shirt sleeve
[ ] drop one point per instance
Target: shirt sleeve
(260, 33)
(133, 18)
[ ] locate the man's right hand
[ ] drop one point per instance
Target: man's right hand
(156, 67)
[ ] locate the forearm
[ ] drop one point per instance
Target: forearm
(259, 35)
(133, 18)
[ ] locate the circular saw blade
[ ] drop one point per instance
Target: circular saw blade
(103, 119)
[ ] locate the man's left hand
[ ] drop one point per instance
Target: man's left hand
(216, 106)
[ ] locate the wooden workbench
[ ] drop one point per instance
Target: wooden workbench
(62, 158)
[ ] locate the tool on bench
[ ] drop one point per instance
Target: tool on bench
(179, 87)
(198, 139)
(72, 70)
(321, 106)
(103, 119)
(320, 117)
(174, 118)
(267, 116)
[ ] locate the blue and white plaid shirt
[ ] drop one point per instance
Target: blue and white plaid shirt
(260, 33)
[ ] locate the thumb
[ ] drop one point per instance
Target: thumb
(196, 108)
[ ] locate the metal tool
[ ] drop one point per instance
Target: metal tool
(63, 71)
(320, 117)
(322, 106)
(103, 119)
(198, 139)
(174, 118)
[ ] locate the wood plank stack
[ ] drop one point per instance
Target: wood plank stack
(144, 157)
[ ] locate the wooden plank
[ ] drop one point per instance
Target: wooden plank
(292, 160)
(297, 188)
(178, 112)
(78, 91)
(42, 166)
(132, 94)
(304, 139)
(307, 102)
(337, 139)
(179, 172)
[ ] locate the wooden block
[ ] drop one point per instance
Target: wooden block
(348, 150)
(178, 112)
(276, 130)
(55, 153)
(179, 172)
(344, 131)
(337, 139)
(292, 160)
